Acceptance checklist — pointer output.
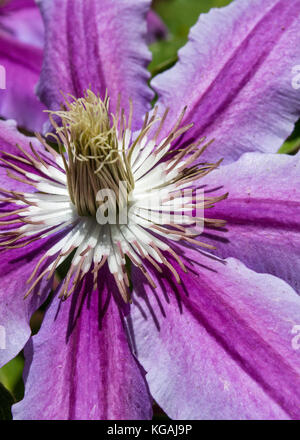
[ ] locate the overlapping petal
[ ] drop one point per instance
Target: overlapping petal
(15, 312)
(235, 75)
(22, 63)
(220, 345)
(97, 44)
(10, 137)
(157, 30)
(17, 264)
(262, 213)
(79, 366)
(22, 20)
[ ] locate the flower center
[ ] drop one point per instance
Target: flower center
(157, 184)
(96, 156)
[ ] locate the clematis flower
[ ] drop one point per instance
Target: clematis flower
(147, 308)
(21, 53)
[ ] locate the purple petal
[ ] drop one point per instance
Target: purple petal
(220, 345)
(22, 63)
(15, 268)
(9, 138)
(157, 30)
(97, 44)
(235, 75)
(262, 213)
(16, 265)
(82, 367)
(22, 19)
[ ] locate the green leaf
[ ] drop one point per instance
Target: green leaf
(162, 59)
(179, 16)
(11, 376)
(6, 401)
(290, 147)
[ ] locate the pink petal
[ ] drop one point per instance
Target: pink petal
(235, 75)
(22, 19)
(22, 63)
(97, 44)
(220, 345)
(262, 213)
(79, 366)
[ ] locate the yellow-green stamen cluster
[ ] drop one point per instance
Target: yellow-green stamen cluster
(96, 158)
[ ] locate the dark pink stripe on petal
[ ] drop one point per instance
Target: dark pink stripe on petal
(220, 345)
(16, 266)
(80, 365)
(95, 44)
(262, 213)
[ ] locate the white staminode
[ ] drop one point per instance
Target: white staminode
(102, 153)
